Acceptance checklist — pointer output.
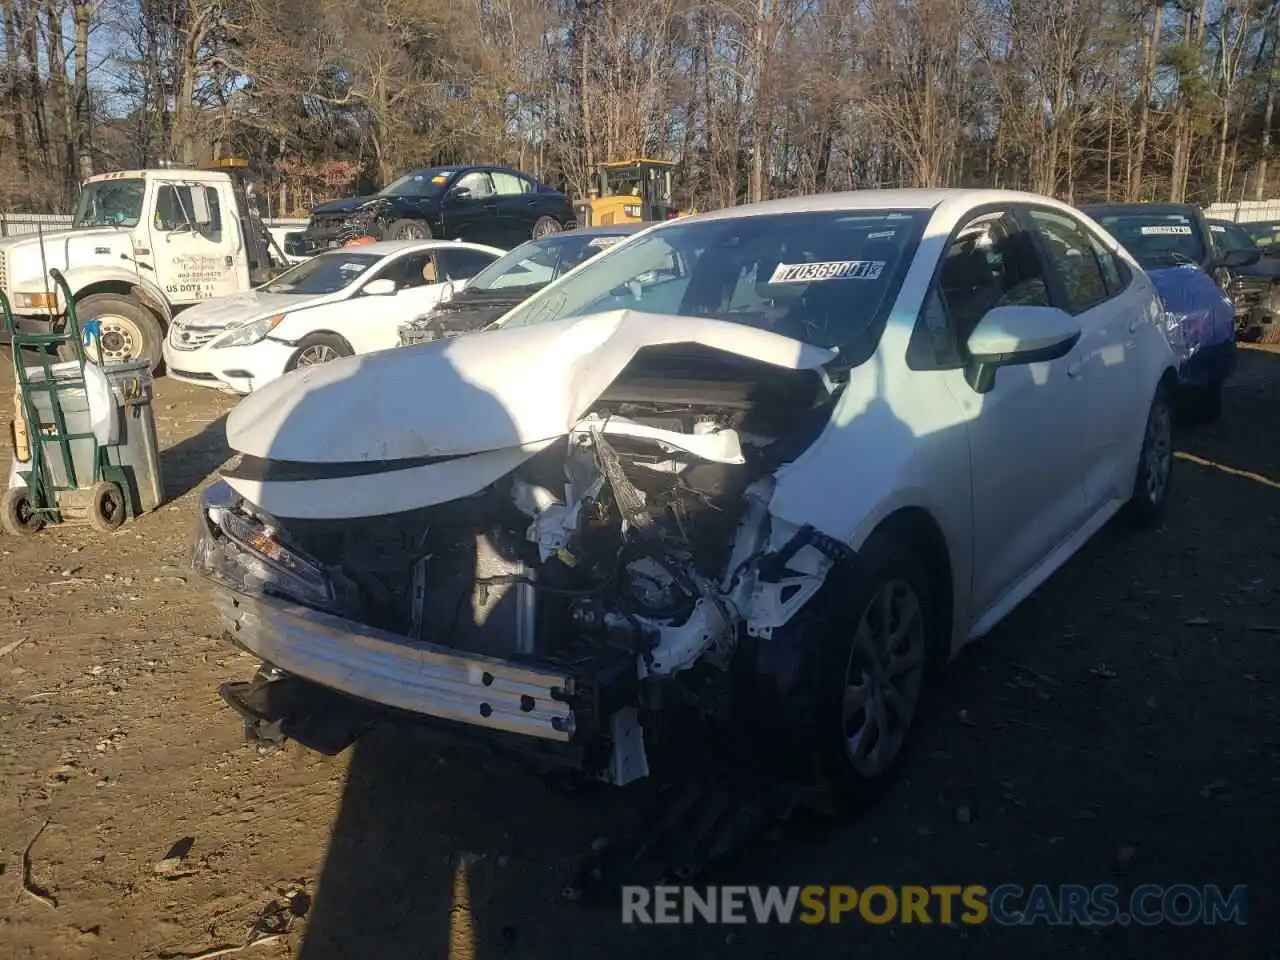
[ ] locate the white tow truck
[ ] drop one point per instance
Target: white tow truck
(144, 245)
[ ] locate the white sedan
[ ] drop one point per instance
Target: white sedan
(340, 303)
(810, 447)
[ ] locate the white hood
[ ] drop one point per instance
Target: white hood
(486, 391)
(223, 313)
(90, 247)
(493, 399)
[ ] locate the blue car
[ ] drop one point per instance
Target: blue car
(1191, 273)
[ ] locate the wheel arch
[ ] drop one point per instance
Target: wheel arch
(918, 528)
(311, 335)
(146, 294)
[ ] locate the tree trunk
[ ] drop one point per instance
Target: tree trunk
(1264, 152)
(83, 116)
(1150, 49)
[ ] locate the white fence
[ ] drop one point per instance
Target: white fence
(19, 224)
(1246, 211)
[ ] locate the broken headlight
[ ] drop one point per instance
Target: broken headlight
(247, 555)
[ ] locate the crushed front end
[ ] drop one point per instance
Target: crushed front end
(583, 608)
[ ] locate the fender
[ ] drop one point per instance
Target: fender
(81, 279)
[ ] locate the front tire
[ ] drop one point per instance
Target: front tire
(127, 331)
(832, 699)
(545, 227)
(319, 348)
(1150, 495)
(408, 230)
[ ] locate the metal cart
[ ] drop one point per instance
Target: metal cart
(67, 474)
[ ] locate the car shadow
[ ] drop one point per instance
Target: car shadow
(186, 464)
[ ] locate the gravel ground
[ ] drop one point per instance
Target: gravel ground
(1122, 726)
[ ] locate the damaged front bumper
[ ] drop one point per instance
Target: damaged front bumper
(383, 668)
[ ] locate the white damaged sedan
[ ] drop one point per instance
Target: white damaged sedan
(766, 467)
(344, 302)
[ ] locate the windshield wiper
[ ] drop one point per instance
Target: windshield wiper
(1175, 256)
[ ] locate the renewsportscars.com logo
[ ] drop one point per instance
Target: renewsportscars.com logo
(1006, 905)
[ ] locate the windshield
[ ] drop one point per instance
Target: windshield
(323, 273)
(1228, 236)
(1155, 239)
(1265, 235)
(418, 183)
(110, 203)
(536, 263)
(825, 278)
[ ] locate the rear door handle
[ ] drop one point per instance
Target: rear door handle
(1133, 324)
(1075, 368)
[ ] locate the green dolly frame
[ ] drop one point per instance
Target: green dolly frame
(105, 498)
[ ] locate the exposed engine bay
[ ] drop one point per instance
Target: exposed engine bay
(631, 551)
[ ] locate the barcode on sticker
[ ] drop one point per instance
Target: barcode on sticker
(827, 270)
(1166, 231)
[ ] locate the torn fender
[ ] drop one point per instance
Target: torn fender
(488, 391)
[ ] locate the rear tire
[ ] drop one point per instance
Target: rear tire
(18, 516)
(1150, 495)
(319, 348)
(407, 230)
(129, 331)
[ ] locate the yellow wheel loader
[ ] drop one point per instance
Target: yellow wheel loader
(630, 191)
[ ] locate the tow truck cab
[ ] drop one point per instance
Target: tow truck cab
(144, 245)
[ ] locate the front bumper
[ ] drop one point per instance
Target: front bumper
(238, 370)
(391, 671)
(1211, 364)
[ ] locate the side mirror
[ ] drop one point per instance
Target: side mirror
(460, 193)
(1014, 335)
(1235, 259)
(379, 288)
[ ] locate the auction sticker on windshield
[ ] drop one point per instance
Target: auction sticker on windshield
(827, 270)
(1166, 230)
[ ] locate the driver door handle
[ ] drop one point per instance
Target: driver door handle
(1075, 369)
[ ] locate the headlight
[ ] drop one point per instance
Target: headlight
(36, 301)
(249, 333)
(247, 556)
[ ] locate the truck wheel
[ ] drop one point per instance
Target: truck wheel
(127, 329)
(319, 348)
(545, 227)
(407, 230)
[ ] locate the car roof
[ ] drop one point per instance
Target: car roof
(916, 198)
(1138, 208)
(611, 230)
(385, 248)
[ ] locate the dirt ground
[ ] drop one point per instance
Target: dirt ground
(1122, 726)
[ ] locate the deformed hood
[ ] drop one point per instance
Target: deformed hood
(489, 391)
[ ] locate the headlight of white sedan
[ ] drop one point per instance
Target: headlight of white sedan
(249, 333)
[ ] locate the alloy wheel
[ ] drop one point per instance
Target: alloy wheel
(316, 354)
(883, 678)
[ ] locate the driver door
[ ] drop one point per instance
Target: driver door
(419, 285)
(1026, 436)
(196, 243)
(473, 216)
